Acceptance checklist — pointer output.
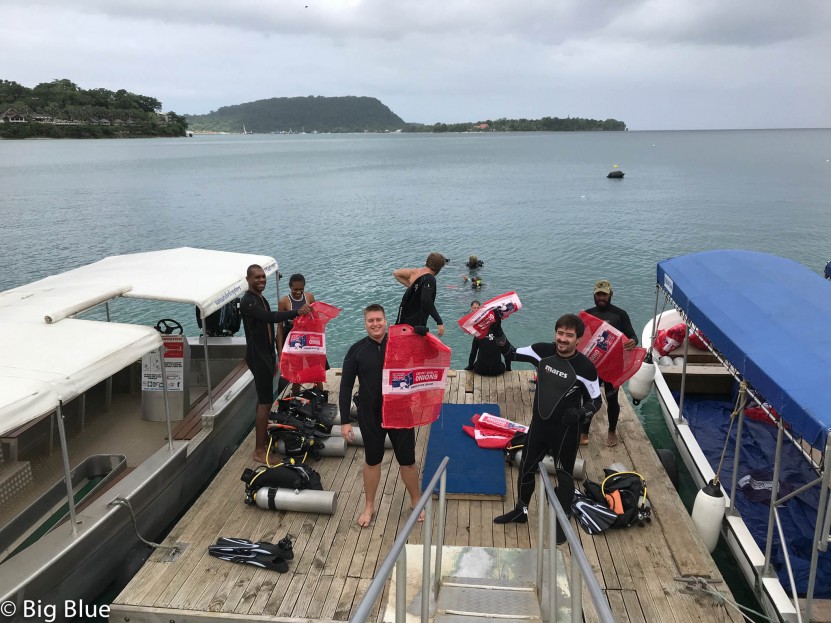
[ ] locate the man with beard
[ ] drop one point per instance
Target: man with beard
(568, 394)
(619, 319)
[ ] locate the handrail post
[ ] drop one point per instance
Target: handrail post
(821, 529)
(684, 372)
(731, 508)
(774, 493)
(552, 565)
(401, 587)
(70, 495)
(426, 584)
(576, 584)
(543, 502)
(440, 531)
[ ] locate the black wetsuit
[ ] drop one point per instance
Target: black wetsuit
(260, 353)
(619, 319)
(365, 361)
(486, 357)
(419, 303)
(552, 434)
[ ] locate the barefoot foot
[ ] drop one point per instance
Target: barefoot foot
(584, 439)
(366, 518)
(421, 515)
(611, 439)
(259, 457)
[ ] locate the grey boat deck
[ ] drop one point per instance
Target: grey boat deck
(335, 559)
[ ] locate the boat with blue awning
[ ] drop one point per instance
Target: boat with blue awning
(753, 412)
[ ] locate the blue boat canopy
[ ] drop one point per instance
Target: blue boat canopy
(769, 317)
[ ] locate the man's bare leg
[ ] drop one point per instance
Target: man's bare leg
(372, 476)
(409, 476)
(260, 428)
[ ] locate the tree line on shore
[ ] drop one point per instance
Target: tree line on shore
(61, 109)
(546, 124)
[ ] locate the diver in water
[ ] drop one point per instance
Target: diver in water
(474, 262)
(475, 282)
(568, 394)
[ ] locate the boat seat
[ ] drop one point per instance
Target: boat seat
(191, 424)
(12, 438)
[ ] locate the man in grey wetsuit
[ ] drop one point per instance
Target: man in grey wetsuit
(619, 319)
(260, 354)
(568, 393)
(419, 301)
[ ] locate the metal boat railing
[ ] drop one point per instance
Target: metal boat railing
(822, 527)
(580, 570)
(397, 558)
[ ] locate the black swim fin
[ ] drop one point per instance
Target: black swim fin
(233, 545)
(592, 516)
(263, 561)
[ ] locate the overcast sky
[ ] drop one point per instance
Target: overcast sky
(654, 64)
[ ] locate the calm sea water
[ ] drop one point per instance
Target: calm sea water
(347, 210)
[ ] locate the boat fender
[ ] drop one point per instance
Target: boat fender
(670, 465)
(708, 513)
(641, 383)
(665, 361)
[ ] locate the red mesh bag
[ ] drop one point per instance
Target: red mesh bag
(603, 345)
(415, 371)
(303, 359)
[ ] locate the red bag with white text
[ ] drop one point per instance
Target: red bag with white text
(493, 432)
(698, 340)
(413, 379)
(478, 322)
(668, 340)
(603, 345)
(303, 359)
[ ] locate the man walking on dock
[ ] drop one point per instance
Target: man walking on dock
(619, 319)
(568, 394)
(260, 353)
(365, 361)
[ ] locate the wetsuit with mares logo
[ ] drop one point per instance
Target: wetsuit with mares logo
(562, 384)
(365, 361)
(419, 303)
(619, 319)
(260, 352)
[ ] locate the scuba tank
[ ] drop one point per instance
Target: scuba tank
(302, 501)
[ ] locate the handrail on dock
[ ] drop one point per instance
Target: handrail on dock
(580, 570)
(397, 558)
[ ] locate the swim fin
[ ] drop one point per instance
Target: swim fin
(263, 561)
(233, 545)
(592, 516)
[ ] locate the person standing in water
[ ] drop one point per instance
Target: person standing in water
(419, 301)
(619, 319)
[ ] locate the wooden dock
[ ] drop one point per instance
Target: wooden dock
(335, 559)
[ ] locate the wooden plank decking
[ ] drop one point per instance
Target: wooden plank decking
(335, 559)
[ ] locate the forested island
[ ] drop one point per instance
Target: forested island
(290, 115)
(300, 114)
(61, 109)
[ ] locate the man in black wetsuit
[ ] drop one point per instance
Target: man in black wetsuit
(568, 393)
(260, 354)
(365, 361)
(419, 301)
(619, 319)
(485, 353)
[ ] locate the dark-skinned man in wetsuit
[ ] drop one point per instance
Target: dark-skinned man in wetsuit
(419, 301)
(365, 361)
(619, 319)
(568, 393)
(260, 353)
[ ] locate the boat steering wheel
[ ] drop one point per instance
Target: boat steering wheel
(167, 326)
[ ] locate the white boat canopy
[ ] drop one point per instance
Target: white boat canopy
(49, 357)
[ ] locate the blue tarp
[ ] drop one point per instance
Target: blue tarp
(769, 317)
(709, 419)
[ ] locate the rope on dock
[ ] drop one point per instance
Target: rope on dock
(696, 583)
(173, 549)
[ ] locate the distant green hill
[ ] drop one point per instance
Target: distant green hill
(300, 114)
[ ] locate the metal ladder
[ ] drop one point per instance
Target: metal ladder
(476, 600)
